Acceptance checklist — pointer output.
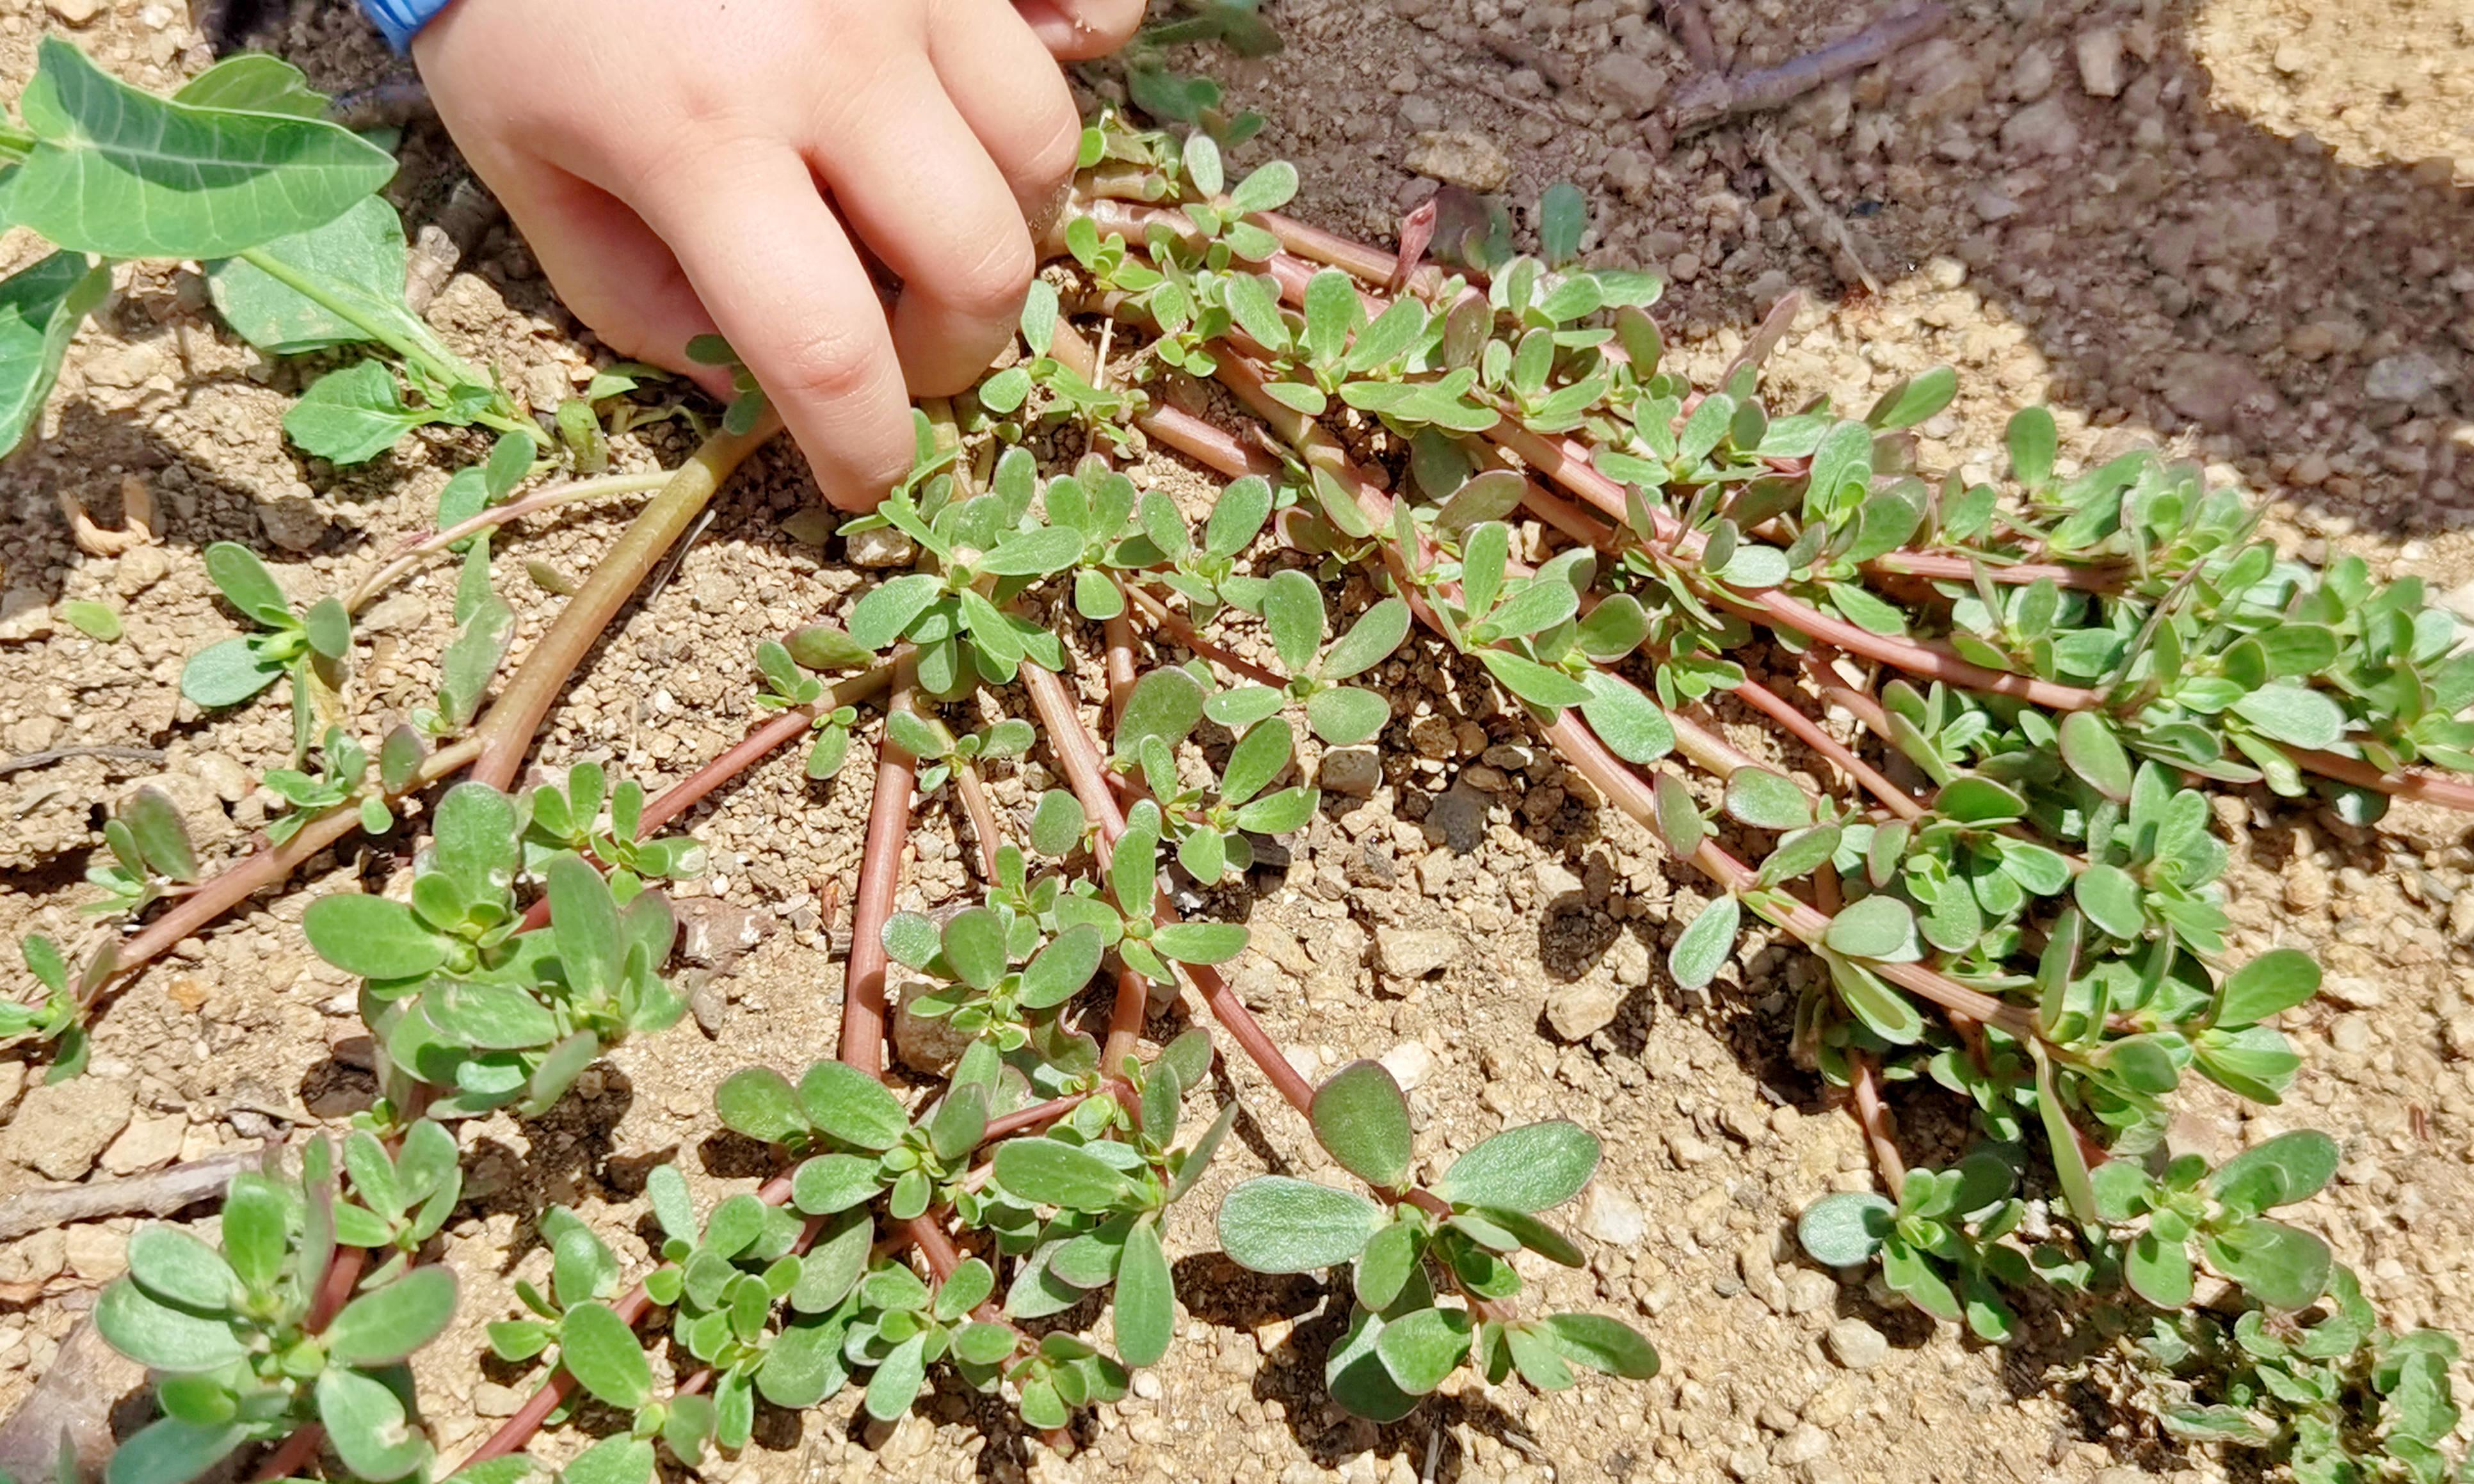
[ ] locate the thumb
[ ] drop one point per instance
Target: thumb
(1080, 29)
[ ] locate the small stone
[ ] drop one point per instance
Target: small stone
(1558, 885)
(1690, 1151)
(74, 13)
(923, 1043)
(1421, 113)
(1353, 771)
(882, 547)
(146, 1144)
(395, 613)
(808, 526)
(2043, 128)
(1629, 961)
(1409, 1063)
(1624, 82)
(2215, 390)
(1458, 818)
(718, 934)
(2031, 76)
(1460, 156)
(293, 522)
(2099, 52)
(139, 569)
(2351, 1034)
(2404, 378)
(1580, 1010)
(61, 1128)
(97, 1254)
(2356, 992)
(1802, 1445)
(24, 615)
(1613, 1217)
(1857, 1345)
(1415, 952)
(492, 1400)
(1804, 1290)
(229, 780)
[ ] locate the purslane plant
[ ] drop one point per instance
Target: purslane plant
(2007, 877)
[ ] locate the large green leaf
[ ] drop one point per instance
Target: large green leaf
(1277, 1224)
(386, 1325)
(40, 308)
(1529, 1168)
(1359, 1114)
(254, 82)
(359, 258)
(350, 416)
(125, 174)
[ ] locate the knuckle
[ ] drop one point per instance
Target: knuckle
(1050, 163)
(828, 362)
(992, 283)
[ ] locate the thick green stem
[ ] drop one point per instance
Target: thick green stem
(506, 733)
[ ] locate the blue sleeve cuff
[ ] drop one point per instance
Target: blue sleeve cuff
(399, 19)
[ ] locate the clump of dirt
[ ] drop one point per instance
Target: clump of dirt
(2221, 225)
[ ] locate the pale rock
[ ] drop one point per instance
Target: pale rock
(139, 569)
(492, 1400)
(1613, 1217)
(24, 615)
(63, 1127)
(1629, 172)
(1421, 113)
(1629, 961)
(1806, 1290)
(1625, 82)
(146, 1144)
(2043, 128)
(395, 613)
(882, 547)
(74, 13)
(2031, 76)
(2215, 390)
(97, 1254)
(2099, 52)
(1580, 1010)
(1415, 952)
(2358, 991)
(229, 779)
(1463, 157)
(1803, 1444)
(1689, 1150)
(1352, 771)
(2351, 1034)
(1409, 1063)
(1857, 1345)
(1558, 885)
(2404, 378)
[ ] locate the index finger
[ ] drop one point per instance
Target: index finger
(775, 269)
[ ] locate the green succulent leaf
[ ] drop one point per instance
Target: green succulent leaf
(1533, 1167)
(1278, 1224)
(1360, 1116)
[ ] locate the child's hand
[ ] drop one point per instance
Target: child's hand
(670, 164)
